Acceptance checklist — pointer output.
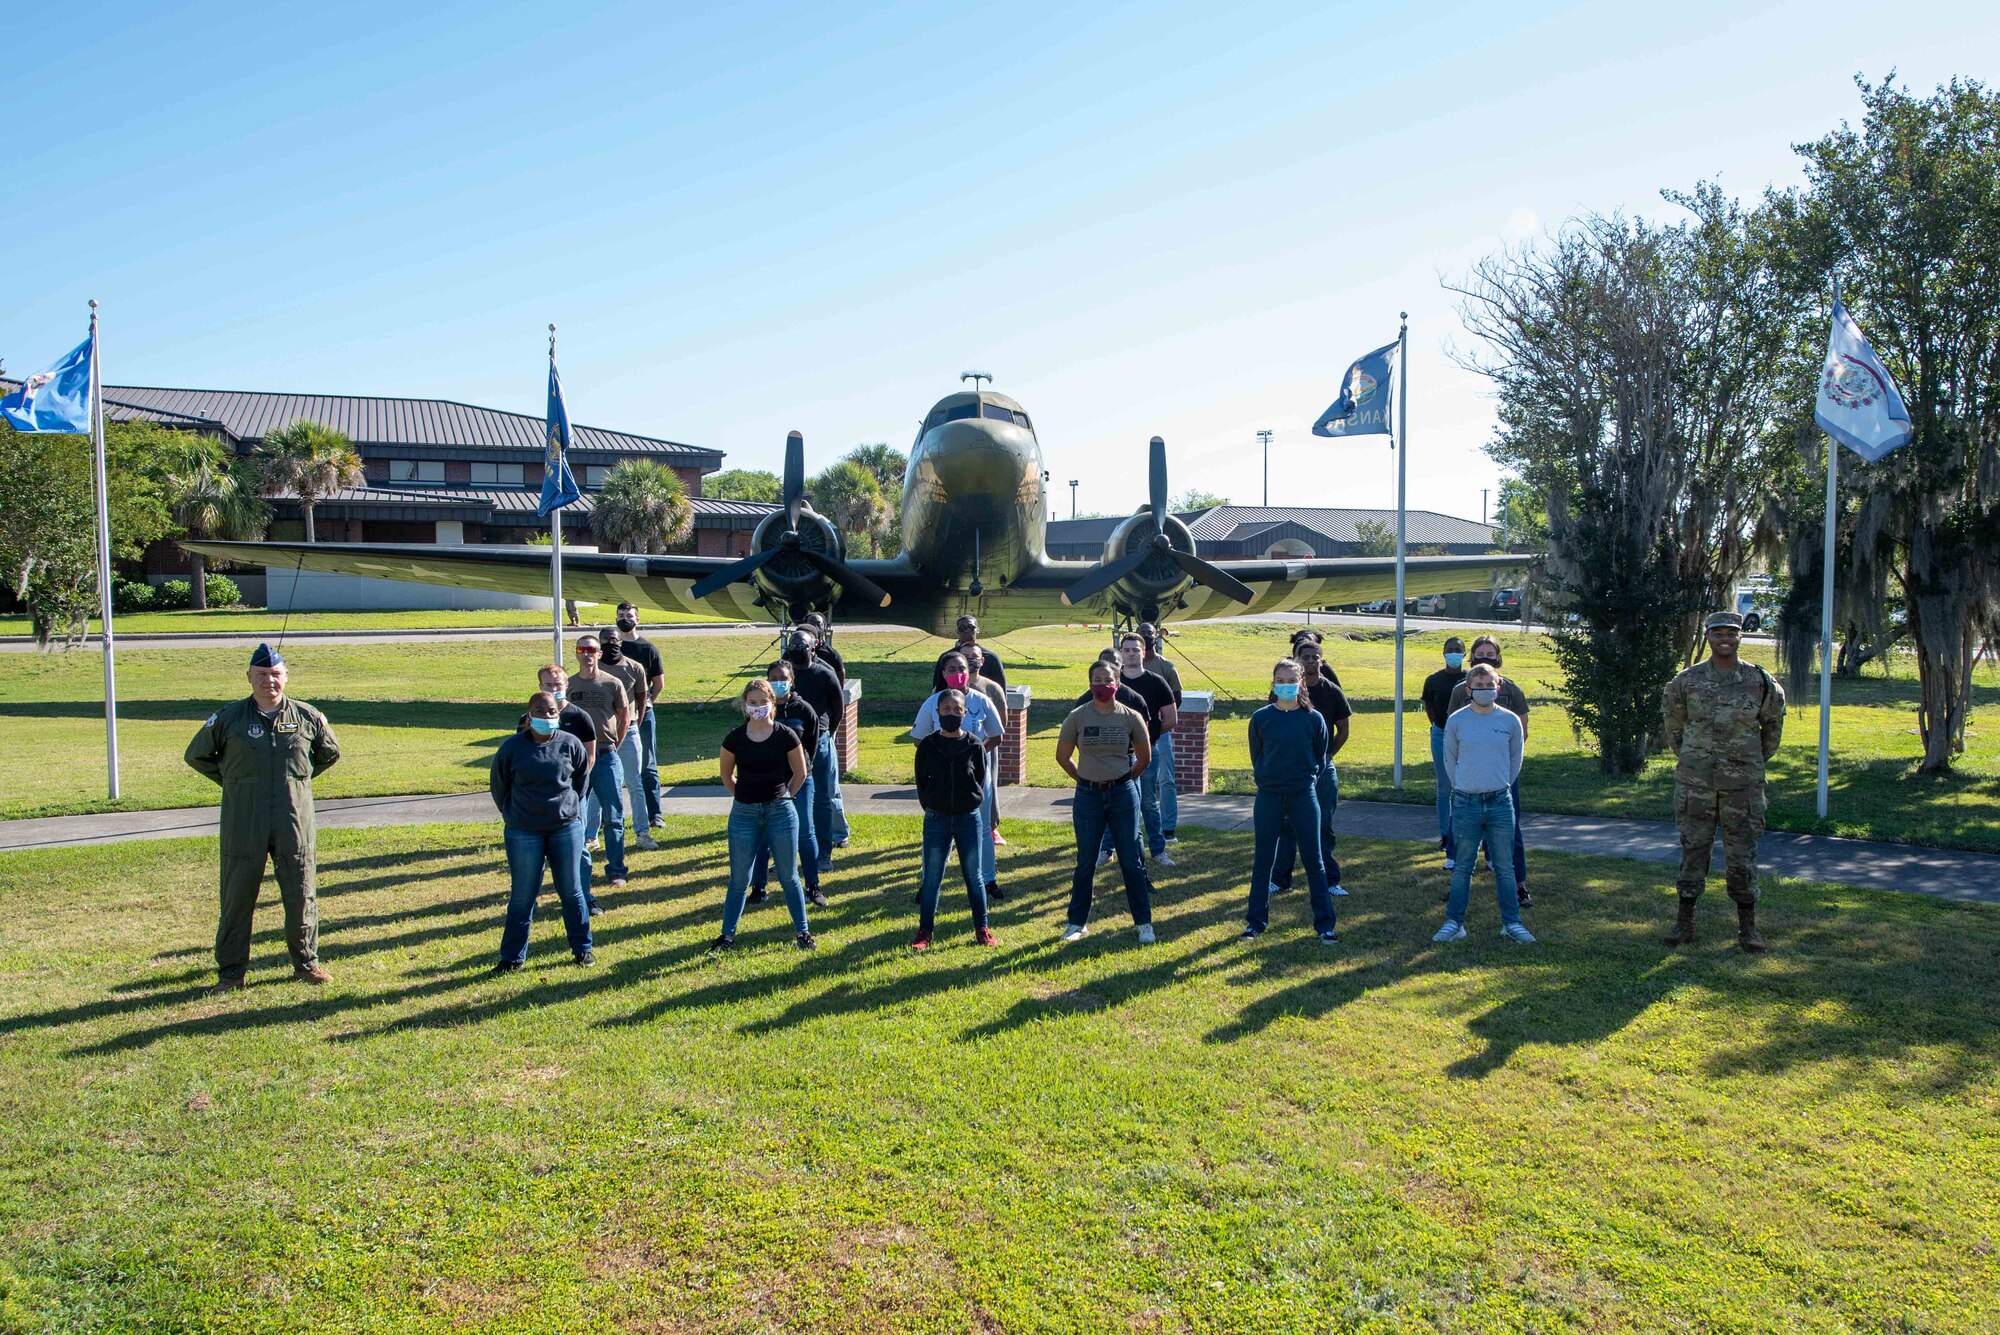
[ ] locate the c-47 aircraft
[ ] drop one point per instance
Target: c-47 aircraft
(973, 517)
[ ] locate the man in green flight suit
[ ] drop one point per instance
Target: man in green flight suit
(1724, 720)
(265, 751)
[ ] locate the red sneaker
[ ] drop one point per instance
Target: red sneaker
(984, 936)
(999, 839)
(923, 939)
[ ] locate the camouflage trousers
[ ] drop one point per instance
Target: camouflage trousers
(1738, 815)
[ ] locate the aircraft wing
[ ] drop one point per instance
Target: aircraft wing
(658, 582)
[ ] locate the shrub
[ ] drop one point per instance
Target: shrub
(222, 591)
(173, 596)
(129, 598)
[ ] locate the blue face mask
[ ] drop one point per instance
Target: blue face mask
(781, 689)
(1453, 660)
(1485, 695)
(543, 727)
(1286, 690)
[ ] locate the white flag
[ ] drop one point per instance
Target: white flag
(1858, 404)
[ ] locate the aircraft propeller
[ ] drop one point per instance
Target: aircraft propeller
(1107, 573)
(840, 572)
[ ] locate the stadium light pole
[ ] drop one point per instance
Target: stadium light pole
(1265, 436)
(1072, 498)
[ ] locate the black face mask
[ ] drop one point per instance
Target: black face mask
(613, 653)
(1491, 662)
(627, 625)
(951, 722)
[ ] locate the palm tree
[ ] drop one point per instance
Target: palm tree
(311, 462)
(848, 494)
(212, 498)
(642, 507)
(889, 465)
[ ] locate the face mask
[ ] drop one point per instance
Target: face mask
(627, 625)
(760, 711)
(1485, 695)
(1104, 695)
(1490, 662)
(955, 680)
(781, 689)
(1285, 690)
(950, 722)
(543, 726)
(613, 654)
(560, 696)
(1454, 660)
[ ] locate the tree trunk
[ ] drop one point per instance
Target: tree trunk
(197, 582)
(306, 506)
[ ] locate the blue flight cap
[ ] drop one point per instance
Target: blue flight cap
(267, 657)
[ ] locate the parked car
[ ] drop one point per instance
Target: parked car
(1425, 605)
(1506, 604)
(1755, 602)
(1380, 605)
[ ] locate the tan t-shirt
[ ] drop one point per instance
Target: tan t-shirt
(634, 678)
(1103, 741)
(601, 699)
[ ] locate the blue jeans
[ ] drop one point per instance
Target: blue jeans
(777, 825)
(631, 774)
(526, 852)
(1476, 817)
(1443, 786)
(649, 750)
(1170, 793)
(802, 806)
(1149, 807)
(606, 809)
(1520, 858)
(829, 819)
(940, 833)
(1096, 813)
(989, 819)
(1273, 810)
(1326, 792)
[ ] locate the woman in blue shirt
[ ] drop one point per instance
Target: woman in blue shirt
(539, 778)
(1288, 743)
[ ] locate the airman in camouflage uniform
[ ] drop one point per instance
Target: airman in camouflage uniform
(265, 750)
(1724, 720)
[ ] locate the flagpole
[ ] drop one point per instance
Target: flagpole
(1402, 442)
(103, 558)
(555, 542)
(1826, 619)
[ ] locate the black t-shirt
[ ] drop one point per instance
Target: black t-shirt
(990, 669)
(763, 769)
(830, 656)
(815, 683)
(802, 719)
(1153, 689)
(572, 721)
(1437, 693)
(647, 655)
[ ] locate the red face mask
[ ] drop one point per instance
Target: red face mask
(955, 680)
(1104, 695)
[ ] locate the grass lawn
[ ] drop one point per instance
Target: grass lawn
(259, 620)
(1591, 1134)
(426, 717)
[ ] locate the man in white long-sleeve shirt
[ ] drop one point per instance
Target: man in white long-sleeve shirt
(1482, 758)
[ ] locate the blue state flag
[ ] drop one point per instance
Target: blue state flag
(57, 399)
(1858, 404)
(1363, 406)
(558, 483)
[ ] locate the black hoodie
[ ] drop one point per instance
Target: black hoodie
(951, 773)
(814, 683)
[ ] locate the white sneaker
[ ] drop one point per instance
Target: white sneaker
(1274, 889)
(1451, 931)
(1075, 933)
(1336, 892)
(1104, 858)
(648, 844)
(1514, 932)
(1450, 862)
(1146, 937)
(1164, 858)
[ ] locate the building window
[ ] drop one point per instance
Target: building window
(593, 475)
(416, 470)
(500, 475)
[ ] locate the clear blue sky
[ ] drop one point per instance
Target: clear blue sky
(1179, 219)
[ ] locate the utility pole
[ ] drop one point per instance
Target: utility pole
(1265, 436)
(1072, 498)
(1483, 493)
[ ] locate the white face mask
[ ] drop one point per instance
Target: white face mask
(760, 711)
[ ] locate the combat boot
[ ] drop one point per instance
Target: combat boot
(1746, 928)
(1683, 932)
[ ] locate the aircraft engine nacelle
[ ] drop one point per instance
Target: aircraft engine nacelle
(788, 582)
(1158, 582)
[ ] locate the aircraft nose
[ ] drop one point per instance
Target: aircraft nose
(979, 457)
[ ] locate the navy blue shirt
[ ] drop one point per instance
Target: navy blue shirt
(538, 783)
(1287, 748)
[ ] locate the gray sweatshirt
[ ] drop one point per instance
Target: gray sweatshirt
(1482, 752)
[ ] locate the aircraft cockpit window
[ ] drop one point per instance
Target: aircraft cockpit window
(953, 413)
(1021, 420)
(1000, 414)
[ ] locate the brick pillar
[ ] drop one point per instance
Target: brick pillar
(847, 734)
(1014, 744)
(1191, 742)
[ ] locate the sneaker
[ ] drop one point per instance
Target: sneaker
(999, 839)
(1073, 933)
(1336, 891)
(586, 958)
(815, 898)
(1170, 837)
(804, 941)
(758, 895)
(648, 844)
(984, 936)
(722, 943)
(1518, 934)
(1274, 890)
(1249, 934)
(1524, 897)
(1451, 931)
(840, 843)
(922, 940)
(1164, 858)
(1329, 938)
(1104, 858)
(596, 845)
(657, 823)
(508, 966)
(994, 895)
(310, 973)
(1146, 937)
(1450, 862)
(618, 883)
(223, 985)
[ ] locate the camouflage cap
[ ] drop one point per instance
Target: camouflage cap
(1724, 621)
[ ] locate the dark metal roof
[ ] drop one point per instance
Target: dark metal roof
(510, 501)
(1230, 523)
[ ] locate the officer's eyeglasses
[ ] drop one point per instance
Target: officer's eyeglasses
(586, 651)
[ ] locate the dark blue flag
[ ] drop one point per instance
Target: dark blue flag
(55, 400)
(558, 484)
(1363, 406)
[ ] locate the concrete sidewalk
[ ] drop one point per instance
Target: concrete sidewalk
(1964, 877)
